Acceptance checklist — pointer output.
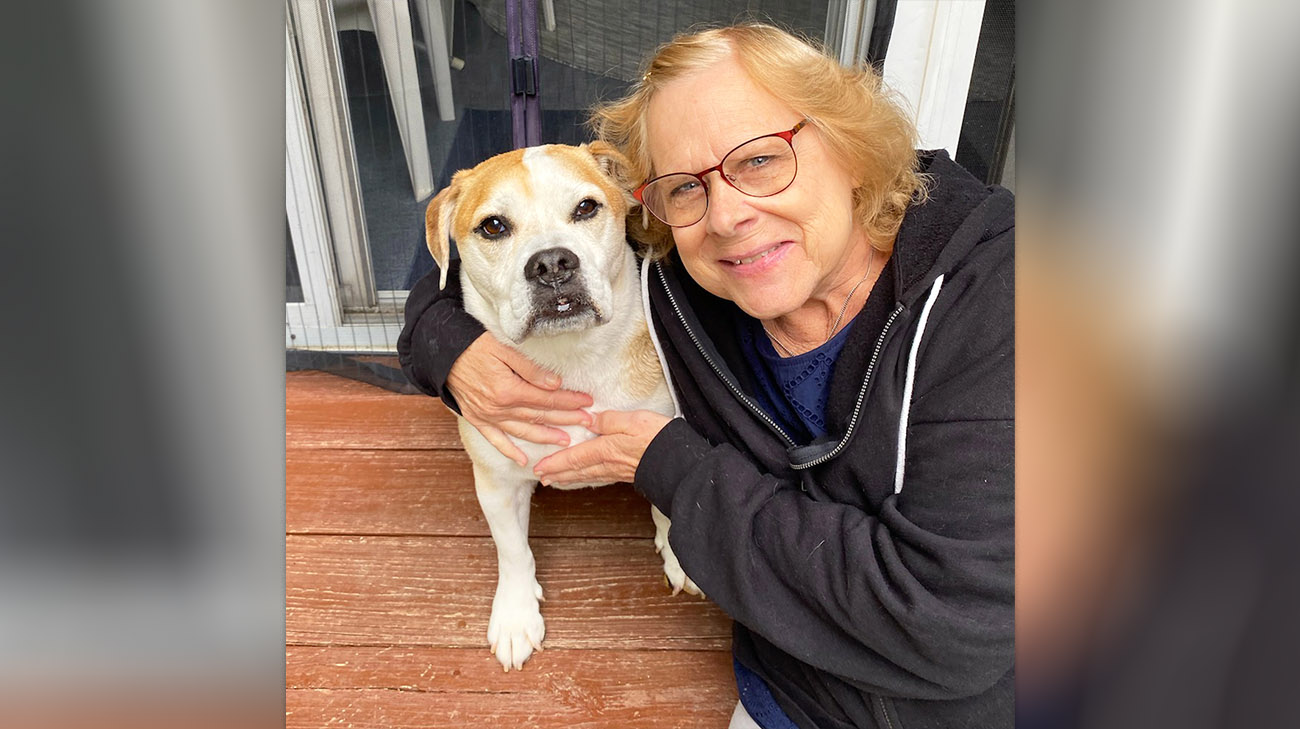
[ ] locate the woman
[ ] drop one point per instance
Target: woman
(839, 338)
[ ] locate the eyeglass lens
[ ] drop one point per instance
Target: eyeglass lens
(761, 167)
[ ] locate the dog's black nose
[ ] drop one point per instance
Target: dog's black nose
(551, 267)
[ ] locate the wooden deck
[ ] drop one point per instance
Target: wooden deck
(390, 575)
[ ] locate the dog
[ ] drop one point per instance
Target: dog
(546, 268)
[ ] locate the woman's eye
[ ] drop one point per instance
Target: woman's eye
(492, 228)
(684, 189)
(585, 209)
(758, 161)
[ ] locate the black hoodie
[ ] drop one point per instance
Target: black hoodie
(868, 590)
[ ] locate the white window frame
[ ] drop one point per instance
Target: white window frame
(305, 209)
(929, 63)
(848, 28)
(327, 111)
(341, 310)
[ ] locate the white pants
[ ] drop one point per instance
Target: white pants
(740, 719)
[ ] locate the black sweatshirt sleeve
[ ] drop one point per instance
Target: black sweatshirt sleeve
(914, 601)
(437, 331)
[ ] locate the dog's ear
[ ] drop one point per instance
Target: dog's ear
(437, 227)
(615, 166)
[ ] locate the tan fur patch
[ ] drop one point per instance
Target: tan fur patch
(480, 182)
(643, 374)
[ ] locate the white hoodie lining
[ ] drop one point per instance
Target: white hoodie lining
(654, 338)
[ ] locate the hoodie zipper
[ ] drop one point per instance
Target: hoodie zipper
(862, 395)
(735, 389)
(754, 408)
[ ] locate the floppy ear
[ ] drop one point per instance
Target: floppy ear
(615, 166)
(437, 228)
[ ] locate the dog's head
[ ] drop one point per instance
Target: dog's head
(541, 236)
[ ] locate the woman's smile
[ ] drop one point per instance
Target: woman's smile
(756, 261)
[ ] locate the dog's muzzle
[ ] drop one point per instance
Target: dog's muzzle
(560, 301)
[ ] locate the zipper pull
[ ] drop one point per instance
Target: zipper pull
(801, 456)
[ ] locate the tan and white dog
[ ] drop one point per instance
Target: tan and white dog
(546, 268)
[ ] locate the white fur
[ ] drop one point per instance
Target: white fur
(539, 204)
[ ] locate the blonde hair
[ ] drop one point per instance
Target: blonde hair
(860, 123)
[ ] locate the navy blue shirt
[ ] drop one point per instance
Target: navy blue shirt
(793, 390)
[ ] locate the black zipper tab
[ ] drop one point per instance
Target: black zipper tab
(812, 451)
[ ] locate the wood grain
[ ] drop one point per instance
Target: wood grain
(431, 492)
(437, 591)
(614, 696)
(327, 411)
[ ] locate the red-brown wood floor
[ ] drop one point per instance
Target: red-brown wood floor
(390, 575)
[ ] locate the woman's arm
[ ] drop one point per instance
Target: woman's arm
(914, 600)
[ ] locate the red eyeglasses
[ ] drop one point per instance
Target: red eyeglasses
(761, 167)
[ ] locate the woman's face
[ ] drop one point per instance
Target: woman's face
(808, 232)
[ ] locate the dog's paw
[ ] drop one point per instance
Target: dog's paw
(516, 628)
(673, 571)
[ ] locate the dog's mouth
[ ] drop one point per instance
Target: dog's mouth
(562, 310)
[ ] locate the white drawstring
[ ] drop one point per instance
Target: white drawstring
(907, 387)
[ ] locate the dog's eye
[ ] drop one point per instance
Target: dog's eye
(586, 209)
(493, 228)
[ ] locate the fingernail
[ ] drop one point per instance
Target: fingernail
(553, 380)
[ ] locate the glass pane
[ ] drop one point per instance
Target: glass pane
(986, 126)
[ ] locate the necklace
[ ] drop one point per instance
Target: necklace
(835, 326)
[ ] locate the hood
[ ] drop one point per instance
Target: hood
(959, 214)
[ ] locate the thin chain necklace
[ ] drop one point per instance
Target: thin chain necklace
(836, 326)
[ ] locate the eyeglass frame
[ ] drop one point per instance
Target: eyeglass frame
(787, 135)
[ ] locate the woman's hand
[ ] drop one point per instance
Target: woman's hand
(612, 456)
(502, 392)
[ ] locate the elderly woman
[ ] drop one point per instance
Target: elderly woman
(835, 312)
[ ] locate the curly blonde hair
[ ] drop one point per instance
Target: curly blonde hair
(860, 122)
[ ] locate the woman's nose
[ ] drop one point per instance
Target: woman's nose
(729, 208)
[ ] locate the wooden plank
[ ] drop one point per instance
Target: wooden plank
(459, 687)
(427, 492)
(639, 706)
(474, 670)
(437, 591)
(327, 411)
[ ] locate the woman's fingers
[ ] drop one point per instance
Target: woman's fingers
(535, 433)
(521, 394)
(636, 423)
(614, 455)
(501, 442)
(596, 460)
(551, 417)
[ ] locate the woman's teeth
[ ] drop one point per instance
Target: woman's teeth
(751, 259)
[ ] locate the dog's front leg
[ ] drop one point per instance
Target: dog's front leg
(516, 627)
(672, 568)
